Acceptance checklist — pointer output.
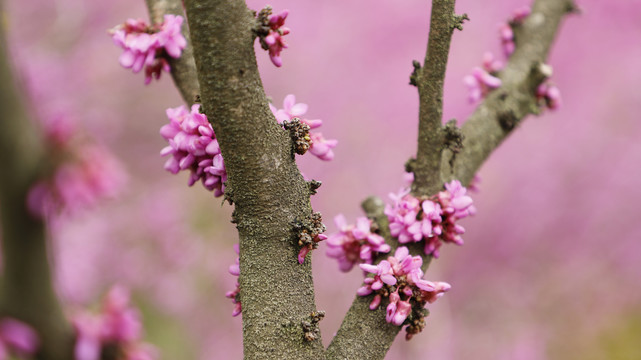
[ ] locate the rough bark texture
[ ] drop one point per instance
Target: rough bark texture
(183, 69)
(505, 107)
(429, 80)
(27, 293)
(268, 191)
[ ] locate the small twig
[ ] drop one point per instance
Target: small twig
(430, 79)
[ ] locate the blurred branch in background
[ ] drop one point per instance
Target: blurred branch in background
(27, 292)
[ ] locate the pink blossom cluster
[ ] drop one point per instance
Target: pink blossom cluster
(274, 39)
(506, 29)
(355, 244)
(400, 279)
(319, 146)
(117, 326)
(433, 220)
(146, 46)
(193, 146)
(17, 338)
(89, 174)
(483, 79)
(548, 95)
(234, 295)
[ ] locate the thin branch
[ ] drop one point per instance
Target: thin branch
(268, 191)
(505, 107)
(364, 331)
(183, 69)
(429, 80)
(26, 292)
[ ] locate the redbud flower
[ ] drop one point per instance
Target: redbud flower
(145, 46)
(92, 173)
(117, 324)
(193, 146)
(355, 244)
(549, 95)
(400, 279)
(17, 338)
(507, 34)
(234, 295)
(481, 81)
(319, 146)
(431, 220)
(274, 39)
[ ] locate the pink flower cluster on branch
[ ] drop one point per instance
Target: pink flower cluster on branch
(147, 46)
(400, 279)
(549, 95)
(234, 295)
(193, 146)
(116, 329)
(17, 339)
(318, 145)
(484, 79)
(87, 173)
(355, 244)
(432, 220)
(270, 30)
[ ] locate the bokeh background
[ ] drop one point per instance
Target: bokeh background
(551, 267)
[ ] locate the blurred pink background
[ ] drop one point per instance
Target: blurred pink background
(551, 268)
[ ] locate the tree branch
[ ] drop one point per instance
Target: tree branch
(429, 80)
(364, 331)
(269, 193)
(27, 293)
(183, 69)
(505, 107)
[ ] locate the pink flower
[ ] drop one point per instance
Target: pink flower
(354, 244)
(193, 146)
(400, 278)
(234, 295)
(507, 34)
(117, 324)
(91, 174)
(274, 39)
(144, 46)
(440, 288)
(322, 147)
(430, 220)
(481, 82)
(17, 338)
(319, 146)
(549, 95)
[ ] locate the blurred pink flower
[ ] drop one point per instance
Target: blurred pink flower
(91, 174)
(17, 338)
(549, 95)
(480, 83)
(117, 324)
(234, 295)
